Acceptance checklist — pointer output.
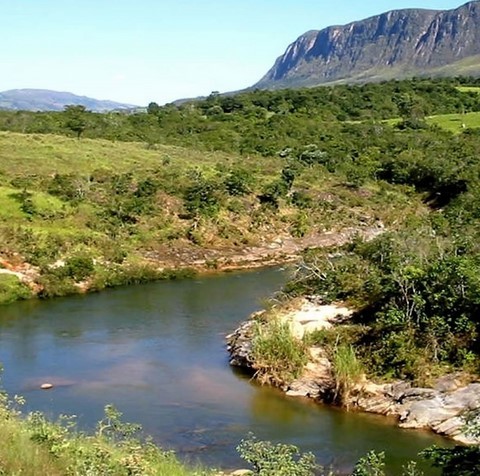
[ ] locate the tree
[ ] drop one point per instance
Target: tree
(153, 108)
(76, 119)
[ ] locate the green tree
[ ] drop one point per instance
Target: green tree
(76, 119)
(153, 108)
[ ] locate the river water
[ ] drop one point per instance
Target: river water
(157, 352)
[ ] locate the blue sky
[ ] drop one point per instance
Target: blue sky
(138, 51)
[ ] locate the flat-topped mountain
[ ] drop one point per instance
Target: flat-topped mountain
(396, 44)
(46, 100)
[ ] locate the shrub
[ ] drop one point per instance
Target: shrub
(270, 459)
(11, 289)
(373, 464)
(79, 266)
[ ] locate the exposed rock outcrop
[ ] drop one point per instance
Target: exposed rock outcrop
(442, 408)
(396, 44)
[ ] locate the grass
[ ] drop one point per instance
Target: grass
(278, 356)
(347, 370)
(20, 455)
(92, 207)
(469, 89)
(456, 122)
(46, 154)
(33, 446)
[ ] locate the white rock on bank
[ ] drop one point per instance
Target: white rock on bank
(311, 317)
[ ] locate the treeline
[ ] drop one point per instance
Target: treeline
(259, 121)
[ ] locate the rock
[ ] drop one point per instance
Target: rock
(466, 398)
(448, 383)
(427, 414)
(239, 345)
(451, 427)
(316, 381)
(443, 408)
(397, 391)
(376, 404)
(311, 316)
(417, 394)
(46, 386)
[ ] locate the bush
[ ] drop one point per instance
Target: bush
(11, 289)
(457, 461)
(79, 266)
(373, 464)
(270, 459)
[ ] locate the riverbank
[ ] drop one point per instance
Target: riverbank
(442, 407)
(171, 262)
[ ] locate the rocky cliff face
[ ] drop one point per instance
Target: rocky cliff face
(396, 44)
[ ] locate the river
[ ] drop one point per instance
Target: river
(157, 352)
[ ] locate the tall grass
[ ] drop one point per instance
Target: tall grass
(279, 357)
(347, 370)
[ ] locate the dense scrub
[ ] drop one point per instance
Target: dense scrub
(259, 121)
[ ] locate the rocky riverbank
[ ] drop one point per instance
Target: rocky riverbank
(443, 407)
(188, 256)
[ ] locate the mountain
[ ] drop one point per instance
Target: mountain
(396, 44)
(46, 100)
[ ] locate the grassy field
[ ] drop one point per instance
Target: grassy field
(452, 122)
(469, 89)
(22, 154)
(456, 122)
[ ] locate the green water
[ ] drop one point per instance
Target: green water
(157, 352)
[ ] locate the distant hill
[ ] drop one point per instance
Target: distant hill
(396, 44)
(46, 100)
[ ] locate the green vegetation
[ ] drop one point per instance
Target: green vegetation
(278, 459)
(279, 357)
(11, 289)
(89, 201)
(33, 446)
(347, 371)
(417, 294)
(456, 122)
(116, 207)
(469, 89)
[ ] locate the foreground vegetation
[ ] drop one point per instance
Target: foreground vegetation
(33, 445)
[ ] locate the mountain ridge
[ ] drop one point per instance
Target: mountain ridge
(49, 100)
(393, 44)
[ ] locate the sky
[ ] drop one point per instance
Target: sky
(139, 51)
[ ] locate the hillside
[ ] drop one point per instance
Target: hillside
(393, 45)
(46, 100)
